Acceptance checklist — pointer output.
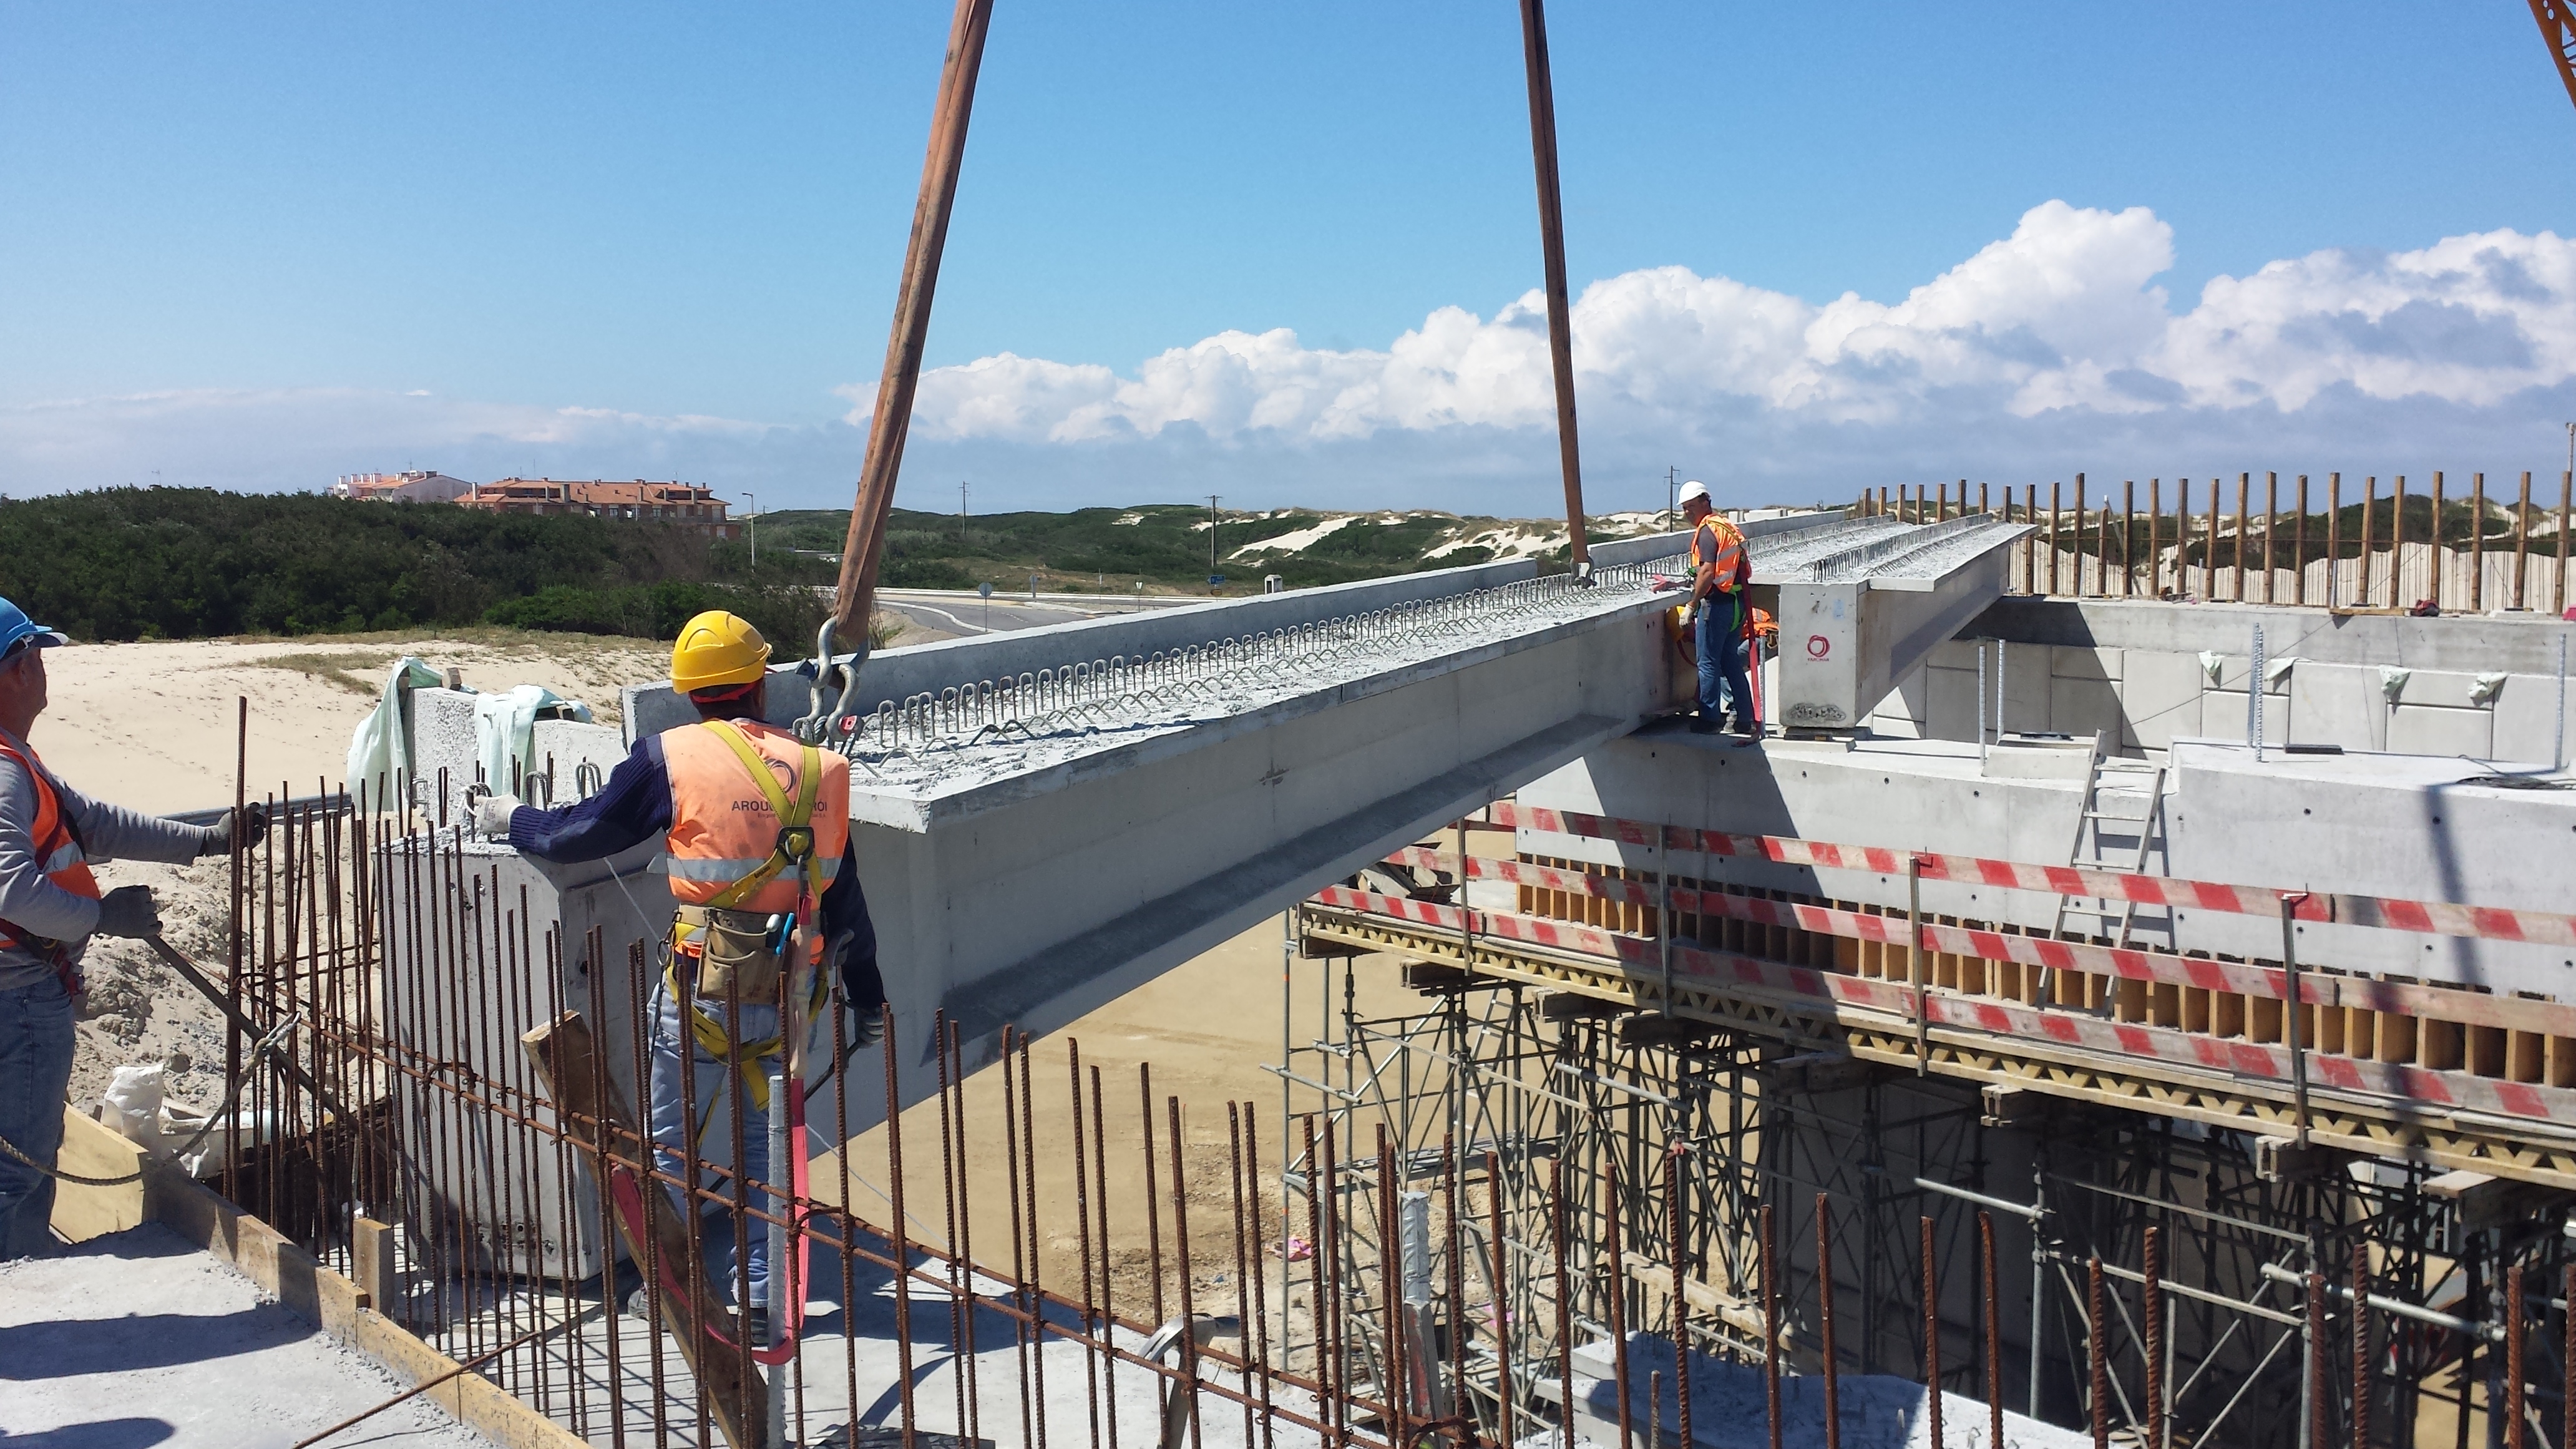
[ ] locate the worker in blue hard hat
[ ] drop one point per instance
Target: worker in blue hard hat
(50, 907)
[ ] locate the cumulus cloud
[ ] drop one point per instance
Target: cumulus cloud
(2054, 349)
(2063, 315)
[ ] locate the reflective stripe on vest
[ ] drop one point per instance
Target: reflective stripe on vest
(1725, 550)
(58, 851)
(725, 826)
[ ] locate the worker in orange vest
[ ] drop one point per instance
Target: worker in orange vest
(756, 835)
(50, 909)
(1721, 576)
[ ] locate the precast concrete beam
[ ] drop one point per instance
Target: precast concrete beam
(1859, 610)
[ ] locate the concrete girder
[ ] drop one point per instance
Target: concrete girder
(1866, 614)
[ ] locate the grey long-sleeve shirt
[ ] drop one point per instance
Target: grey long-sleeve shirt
(39, 907)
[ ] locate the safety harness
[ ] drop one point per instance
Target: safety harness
(793, 850)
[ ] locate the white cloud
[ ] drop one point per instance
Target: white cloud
(2064, 314)
(2052, 350)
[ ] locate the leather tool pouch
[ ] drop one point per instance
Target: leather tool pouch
(735, 953)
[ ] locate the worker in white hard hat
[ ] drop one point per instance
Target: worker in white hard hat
(1719, 613)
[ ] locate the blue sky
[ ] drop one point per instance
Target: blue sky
(664, 239)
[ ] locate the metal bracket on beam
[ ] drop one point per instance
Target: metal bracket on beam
(2281, 1159)
(2003, 1106)
(1819, 1072)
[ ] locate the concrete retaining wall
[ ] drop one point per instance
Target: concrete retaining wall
(2359, 682)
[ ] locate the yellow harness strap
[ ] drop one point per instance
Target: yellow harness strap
(709, 1030)
(793, 817)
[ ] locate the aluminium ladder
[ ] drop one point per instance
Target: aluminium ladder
(2123, 818)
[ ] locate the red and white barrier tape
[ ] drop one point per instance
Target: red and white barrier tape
(2454, 1091)
(2467, 1008)
(2441, 918)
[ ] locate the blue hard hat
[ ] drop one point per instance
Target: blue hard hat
(17, 629)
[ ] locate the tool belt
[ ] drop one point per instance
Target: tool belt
(738, 955)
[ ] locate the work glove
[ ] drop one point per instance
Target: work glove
(218, 838)
(492, 816)
(129, 911)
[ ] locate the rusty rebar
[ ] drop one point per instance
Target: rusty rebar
(2151, 1349)
(1825, 1322)
(1615, 1252)
(2361, 1371)
(1675, 1230)
(1497, 1266)
(2515, 1313)
(2098, 1370)
(1931, 1335)
(1770, 1328)
(1994, 1330)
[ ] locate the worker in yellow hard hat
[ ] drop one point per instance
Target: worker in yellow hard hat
(756, 836)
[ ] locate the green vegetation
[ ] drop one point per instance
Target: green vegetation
(170, 563)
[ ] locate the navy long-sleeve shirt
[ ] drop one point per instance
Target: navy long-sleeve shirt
(635, 805)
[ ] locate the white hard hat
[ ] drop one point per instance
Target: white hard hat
(1694, 489)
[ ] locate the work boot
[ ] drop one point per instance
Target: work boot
(755, 1326)
(1701, 724)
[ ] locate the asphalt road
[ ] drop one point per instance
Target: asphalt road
(929, 617)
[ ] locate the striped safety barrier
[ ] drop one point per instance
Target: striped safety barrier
(1695, 967)
(2440, 918)
(2317, 988)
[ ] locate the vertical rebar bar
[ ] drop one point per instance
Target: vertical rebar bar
(1770, 1329)
(1677, 1230)
(2098, 1370)
(1498, 1267)
(2361, 1371)
(2516, 1315)
(1931, 1336)
(1189, 1384)
(1994, 1331)
(1615, 1279)
(1825, 1322)
(2151, 1341)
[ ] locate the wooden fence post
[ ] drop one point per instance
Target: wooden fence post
(2334, 538)
(2299, 547)
(2271, 521)
(2244, 485)
(2522, 546)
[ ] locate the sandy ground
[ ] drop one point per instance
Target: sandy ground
(158, 727)
(138, 1338)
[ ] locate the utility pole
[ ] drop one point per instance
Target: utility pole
(1672, 489)
(961, 510)
(2571, 448)
(752, 519)
(1212, 526)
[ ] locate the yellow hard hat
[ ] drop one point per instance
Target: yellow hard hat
(716, 649)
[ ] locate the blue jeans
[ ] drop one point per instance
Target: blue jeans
(715, 1086)
(1719, 643)
(35, 1072)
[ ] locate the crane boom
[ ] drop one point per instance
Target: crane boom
(2558, 27)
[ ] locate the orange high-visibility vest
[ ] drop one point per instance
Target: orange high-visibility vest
(1724, 548)
(59, 856)
(725, 826)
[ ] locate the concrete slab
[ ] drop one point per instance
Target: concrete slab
(2159, 699)
(139, 1339)
(2427, 729)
